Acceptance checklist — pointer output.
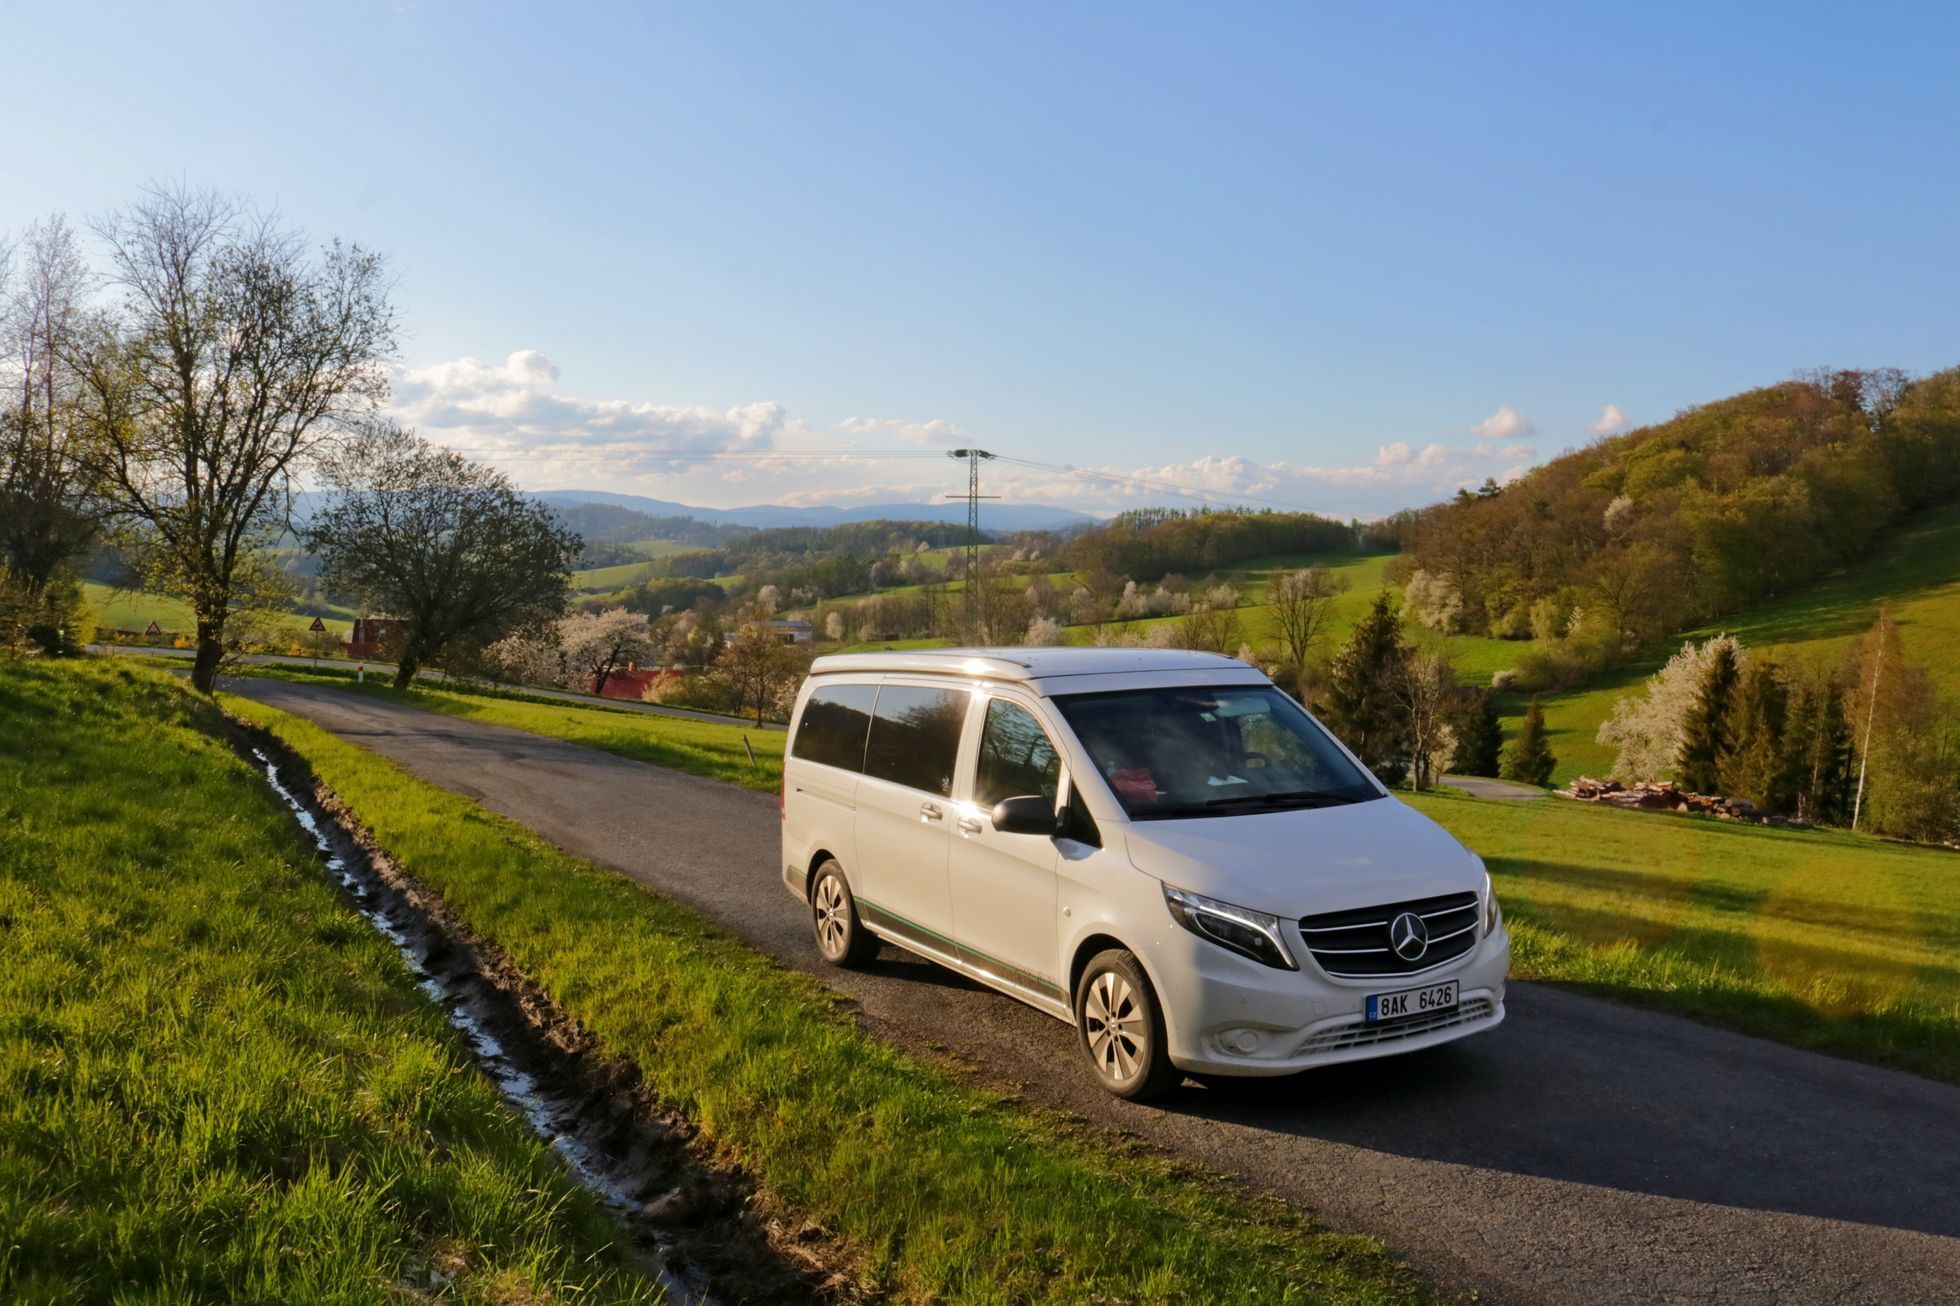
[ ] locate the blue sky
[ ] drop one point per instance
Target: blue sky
(1340, 257)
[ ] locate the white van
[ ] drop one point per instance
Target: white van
(1159, 847)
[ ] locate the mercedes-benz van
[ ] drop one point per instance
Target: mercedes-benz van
(1159, 847)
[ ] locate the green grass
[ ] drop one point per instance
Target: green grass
(134, 610)
(217, 1083)
(1828, 940)
(1915, 575)
(943, 1190)
(603, 580)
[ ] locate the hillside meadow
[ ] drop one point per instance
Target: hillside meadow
(217, 1082)
(133, 610)
(1914, 575)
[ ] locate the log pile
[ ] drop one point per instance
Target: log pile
(1666, 796)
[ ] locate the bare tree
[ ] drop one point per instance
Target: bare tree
(445, 544)
(236, 355)
(48, 510)
(757, 666)
(1303, 605)
(1425, 688)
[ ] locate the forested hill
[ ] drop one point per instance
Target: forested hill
(1728, 503)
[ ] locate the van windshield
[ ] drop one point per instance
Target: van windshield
(1175, 753)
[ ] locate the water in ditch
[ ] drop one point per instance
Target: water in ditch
(565, 1117)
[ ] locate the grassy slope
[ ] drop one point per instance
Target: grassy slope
(1915, 574)
(116, 609)
(216, 1081)
(1828, 940)
(603, 580)
(947, 1192)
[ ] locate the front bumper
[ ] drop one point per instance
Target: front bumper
(1227, 1015)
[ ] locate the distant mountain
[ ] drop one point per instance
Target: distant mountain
(993, 516)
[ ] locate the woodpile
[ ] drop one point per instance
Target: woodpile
(1666, 796)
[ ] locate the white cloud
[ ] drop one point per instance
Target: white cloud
(935, 432)
(511, 414)
(1612, 420)
(1507, 423)
(515, 415)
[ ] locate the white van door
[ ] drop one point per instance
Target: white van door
(905, 813)
(1003, 885)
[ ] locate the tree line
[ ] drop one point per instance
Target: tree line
(1727, 504)
(1861, 743)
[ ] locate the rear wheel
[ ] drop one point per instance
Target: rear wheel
(1121, 1028)
(841, 937)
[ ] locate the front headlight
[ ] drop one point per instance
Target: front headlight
(1249, 933)
(1491, 913)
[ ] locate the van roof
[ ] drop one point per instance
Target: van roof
(1027, 663)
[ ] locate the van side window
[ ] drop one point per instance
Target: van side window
(1016, 759)
(834, 724)
(915, 737)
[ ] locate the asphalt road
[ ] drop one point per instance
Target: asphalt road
(1582, 1152)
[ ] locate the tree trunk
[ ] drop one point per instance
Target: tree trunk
(210, 652)
(405, 668)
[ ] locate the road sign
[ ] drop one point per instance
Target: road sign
(152, 631)
(317, 624)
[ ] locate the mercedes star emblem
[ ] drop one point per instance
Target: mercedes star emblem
(1408, 936)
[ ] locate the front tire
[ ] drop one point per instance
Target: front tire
(842, 939)
(1121, 1027)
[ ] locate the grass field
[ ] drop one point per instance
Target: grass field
(134, 610)
(604, 580)
(1915, 575)
(1836, 941)
(217, 1083)
(944, 1191)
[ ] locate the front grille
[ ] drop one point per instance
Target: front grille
(1354, 944)
(1343, 1037)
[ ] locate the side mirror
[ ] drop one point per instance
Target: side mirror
(1032, 814)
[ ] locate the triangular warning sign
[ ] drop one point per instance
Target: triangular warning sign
(317, 624)
(152, 631)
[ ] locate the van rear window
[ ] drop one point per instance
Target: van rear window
(834, 724)
(915, 737)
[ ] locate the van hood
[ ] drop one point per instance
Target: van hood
(1310, 860)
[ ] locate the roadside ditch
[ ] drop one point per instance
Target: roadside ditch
(699, 1228)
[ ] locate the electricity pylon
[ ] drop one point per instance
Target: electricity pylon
(973, 457)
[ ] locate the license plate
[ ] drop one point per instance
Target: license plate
(1412, 1002)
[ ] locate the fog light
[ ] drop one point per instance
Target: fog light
(1243, 1041)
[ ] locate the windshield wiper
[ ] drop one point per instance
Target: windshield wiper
(1287, 798)
(1292, 799)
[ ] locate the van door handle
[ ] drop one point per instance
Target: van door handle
(969, 825)
(930, 811)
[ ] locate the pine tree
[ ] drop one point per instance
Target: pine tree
(1479, 736)
(1754, 766)
(1830, 759)
(1359, 699)
(1705, 741)
(1530, 760)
